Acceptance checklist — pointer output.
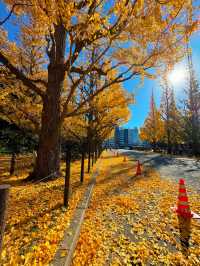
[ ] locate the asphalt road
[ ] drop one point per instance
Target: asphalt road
(170, 167)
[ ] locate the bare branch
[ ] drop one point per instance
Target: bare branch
(12, 11)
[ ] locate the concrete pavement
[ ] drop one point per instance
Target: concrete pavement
(170, 167)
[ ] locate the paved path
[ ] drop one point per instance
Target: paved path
(66, 248)
(170, 167)
(131, 220)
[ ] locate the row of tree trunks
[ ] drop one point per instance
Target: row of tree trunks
(68, 156)
(93, 154)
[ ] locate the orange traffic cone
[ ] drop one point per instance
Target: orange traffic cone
(183, 208)
(124, 159)
(138, 170)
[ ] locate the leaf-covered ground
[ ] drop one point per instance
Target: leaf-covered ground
(36, 219)
(129, 221)
(23, 165)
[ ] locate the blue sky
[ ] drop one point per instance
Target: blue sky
(142, 94)
(140, 109)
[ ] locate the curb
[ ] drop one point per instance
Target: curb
(66, 248)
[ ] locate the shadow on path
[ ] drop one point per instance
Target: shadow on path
(157, 160)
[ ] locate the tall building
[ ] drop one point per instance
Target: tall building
(127, 137)
(121, 137)
(124, 137)
(117, 137)
(133, 136)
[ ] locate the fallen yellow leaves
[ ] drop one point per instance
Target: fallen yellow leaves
(129, 221)
(36, 219)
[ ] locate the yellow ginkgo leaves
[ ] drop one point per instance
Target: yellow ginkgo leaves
(36, 220)
(129, 221)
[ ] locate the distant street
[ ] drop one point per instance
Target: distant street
(170, 167)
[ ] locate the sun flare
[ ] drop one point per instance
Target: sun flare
(177, 76)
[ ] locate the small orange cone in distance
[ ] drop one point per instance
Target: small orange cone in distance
(138, 170)
(183, 208)
(124, 159)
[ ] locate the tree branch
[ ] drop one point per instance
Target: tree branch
(41, 81)
(19, 75)
(12, 11)
(82, 71)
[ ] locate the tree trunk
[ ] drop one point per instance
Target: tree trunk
(92, 153)
(92, 158)
(12, 163)
(89, 156)
(95, 153)
(95, 156)
(82, 165)
(98, 151)
(4, 189)
(48, 154)
(67, 177)
(169, 146)
(194, 138)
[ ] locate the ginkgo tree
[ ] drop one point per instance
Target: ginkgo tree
(108, 109)
(171, 117)
(153, 129)
(136, 34)
(191, 108)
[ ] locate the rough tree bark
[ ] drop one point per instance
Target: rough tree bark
(48, 154)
